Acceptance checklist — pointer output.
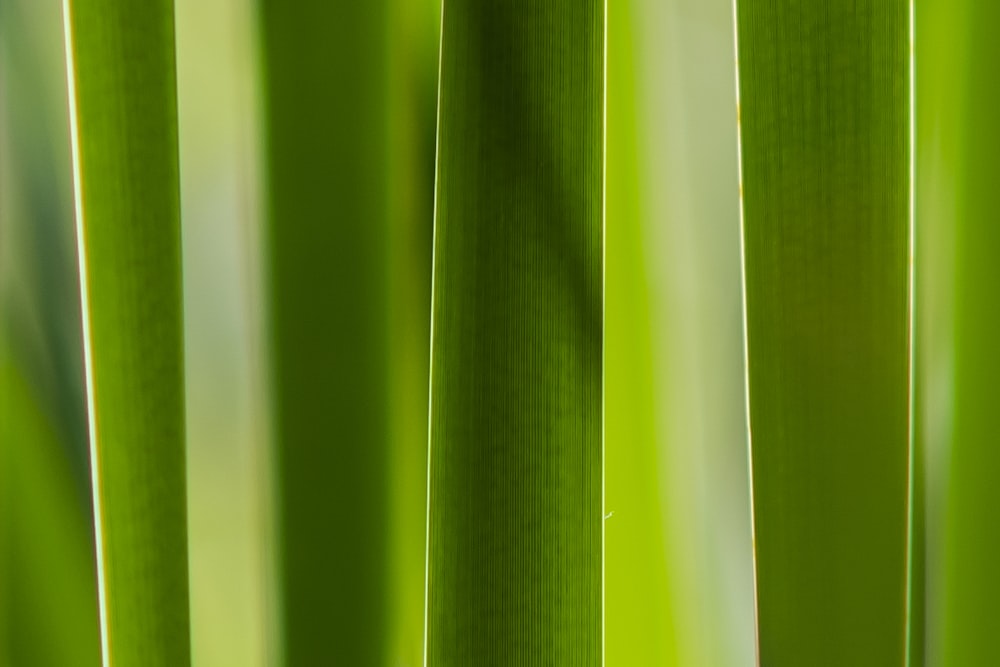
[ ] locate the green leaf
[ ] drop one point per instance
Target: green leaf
(942, 77)
(824, 97)
(515, 500)
(124, 122)
(939, 58)
(327, 154)
(414, 43)
(972, 536)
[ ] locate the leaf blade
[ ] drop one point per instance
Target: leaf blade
(124, 127)
(328, 183)
(515, 502)
(824, 134)
(972, 541)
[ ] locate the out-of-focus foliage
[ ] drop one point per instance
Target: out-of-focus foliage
(691, 243)
(640, 622)
(972, 534)
(678, 574)
(348, 122)
(941, 95)
(48, 601)
(48, 596)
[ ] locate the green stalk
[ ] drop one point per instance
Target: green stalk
(972, 536)
(124, 125)
(515, 519)
(327, 152)
(824, 93)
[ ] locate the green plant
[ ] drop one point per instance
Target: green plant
(639, 625)
(124, 126)
(824, 123)
(515, 514)
(583, 461)
(972, 542)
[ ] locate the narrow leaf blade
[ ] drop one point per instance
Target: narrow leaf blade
(824, 127)
(515, 500)
(124, 123)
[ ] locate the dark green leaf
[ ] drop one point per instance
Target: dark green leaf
(825, 143)
(327, 156)
(515, 500)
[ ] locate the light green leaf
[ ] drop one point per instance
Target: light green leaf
(972, 535)
(639, 597)
(414, 43)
